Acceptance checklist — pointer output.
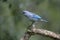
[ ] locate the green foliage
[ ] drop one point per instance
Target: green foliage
(13, 24)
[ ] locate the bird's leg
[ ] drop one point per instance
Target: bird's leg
(34, 24)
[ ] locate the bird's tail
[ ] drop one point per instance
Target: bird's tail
(44, 20)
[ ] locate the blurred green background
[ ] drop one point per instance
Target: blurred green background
(13, 24)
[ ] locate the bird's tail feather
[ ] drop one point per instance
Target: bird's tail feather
(44, 20)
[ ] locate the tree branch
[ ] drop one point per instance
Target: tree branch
(31, 30)
(46, 33)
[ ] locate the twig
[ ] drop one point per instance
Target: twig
(26, 36)
(28, 32)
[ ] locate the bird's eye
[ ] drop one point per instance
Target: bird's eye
(23, 12)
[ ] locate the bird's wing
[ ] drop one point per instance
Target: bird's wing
(36, 16)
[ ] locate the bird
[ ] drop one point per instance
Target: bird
(32, 16)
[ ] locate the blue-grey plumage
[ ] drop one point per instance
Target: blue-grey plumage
(33, 16)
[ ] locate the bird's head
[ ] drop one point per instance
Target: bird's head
(24, 12)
